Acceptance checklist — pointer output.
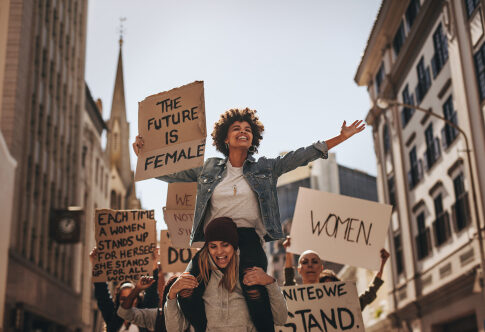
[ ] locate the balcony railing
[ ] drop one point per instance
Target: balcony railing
(441, 228)
(461, 212)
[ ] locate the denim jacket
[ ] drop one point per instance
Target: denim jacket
(261, 175)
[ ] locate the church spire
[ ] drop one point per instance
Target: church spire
(118, 107)
(118, 146)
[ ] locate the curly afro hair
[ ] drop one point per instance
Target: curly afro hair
(219, 134)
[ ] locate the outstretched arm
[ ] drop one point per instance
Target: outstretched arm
(289, 269)
(345, 133)
(303, 156)
(371, 293)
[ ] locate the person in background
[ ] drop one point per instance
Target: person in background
(310, 267)
(108, 306)
(150, 318)
(244, 189)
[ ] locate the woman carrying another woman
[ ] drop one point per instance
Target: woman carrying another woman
(225, 306)
(243, 189)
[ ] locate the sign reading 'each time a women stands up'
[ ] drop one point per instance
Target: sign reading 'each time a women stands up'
(125, 242)
(172, 126)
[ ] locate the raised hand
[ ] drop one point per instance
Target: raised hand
(138, 144)
(356, 127)
(93, 256)
(144, 282)
(287, 242)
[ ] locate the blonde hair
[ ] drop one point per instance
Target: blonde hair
(230, 276)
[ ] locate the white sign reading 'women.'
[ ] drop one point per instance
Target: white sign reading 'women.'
(329, 307)
(341, 229)
(172, 125)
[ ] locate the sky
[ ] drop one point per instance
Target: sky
(292, 61)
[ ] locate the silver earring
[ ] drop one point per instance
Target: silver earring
(227, 147)
(253, 149)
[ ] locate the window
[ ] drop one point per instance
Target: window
(414, 174)
(407, 112)
(470, 6)
(423, 239)
(380, 77)
(113, 204)
(441, 224)
(440, 43)
(424, 81)
(96, 171)
(399, 38)
(412, 12)
(461, 208)
(449, 133)
(385, 138)
(391, 186)
(398, 254)
(83, 156)
(433, 151)
(479, 58)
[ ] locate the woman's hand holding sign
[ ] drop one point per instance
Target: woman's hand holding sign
(138, 144)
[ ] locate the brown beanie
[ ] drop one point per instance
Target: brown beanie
(222, 229)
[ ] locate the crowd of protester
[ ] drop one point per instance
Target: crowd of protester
(225, 286)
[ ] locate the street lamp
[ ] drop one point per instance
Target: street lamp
(385, 104)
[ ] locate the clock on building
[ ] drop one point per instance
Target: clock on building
(65, 225)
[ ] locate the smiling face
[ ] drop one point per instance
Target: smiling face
(221, 252)
(239, 135)
(309, 267)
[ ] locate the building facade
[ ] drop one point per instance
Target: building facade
(42, 105)
(430, 54)
(94, 188)
(326, 175)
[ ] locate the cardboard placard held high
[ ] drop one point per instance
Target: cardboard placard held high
(172, 125)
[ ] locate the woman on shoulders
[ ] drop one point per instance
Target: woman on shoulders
(225, 305)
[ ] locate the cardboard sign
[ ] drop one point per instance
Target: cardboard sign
(179, 212)
(125, 240)
(329, 307)
(172, 125)
(341, 229)
(173, 259)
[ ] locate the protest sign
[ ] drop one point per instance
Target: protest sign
(179, 212)
(341, 229)
(328, 307)
(172, 125)
(125, 240)
(173, 259)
